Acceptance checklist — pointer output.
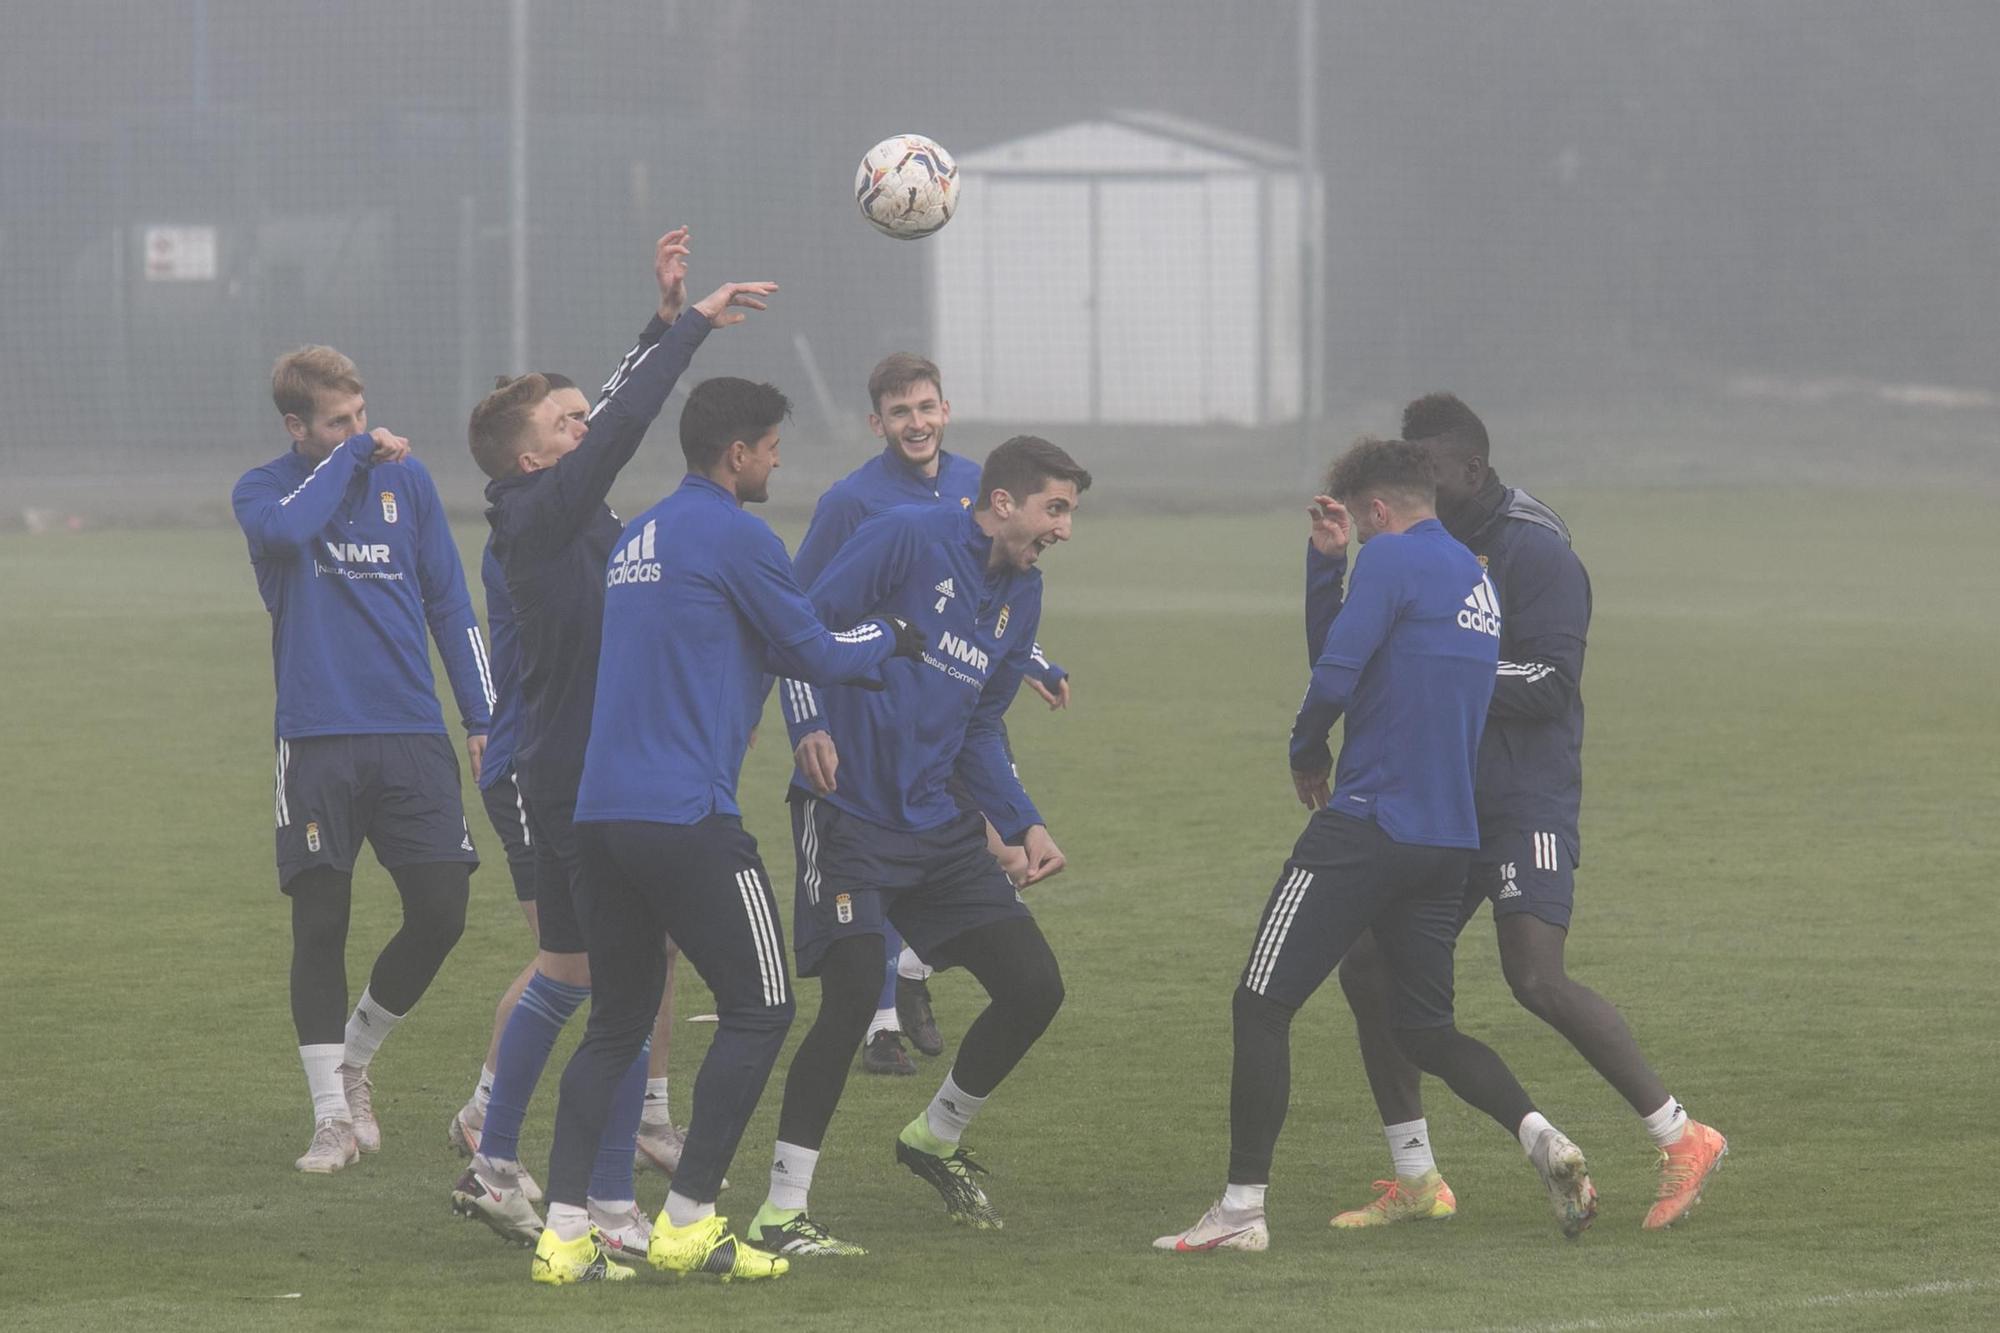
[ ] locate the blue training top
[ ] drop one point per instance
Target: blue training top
(699, 603)
(353, 560)
(883, 482)
(1410, 659)
(898, 747)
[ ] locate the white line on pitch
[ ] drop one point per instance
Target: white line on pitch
(1709, 1314)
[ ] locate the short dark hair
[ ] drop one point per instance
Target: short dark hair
(1023, 466)
(497, 423)
(724, 410)
(897, 372)
(1387, 468)
(1441, 416)
(556, 380)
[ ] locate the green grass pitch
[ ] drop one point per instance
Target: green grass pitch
(1788, 887)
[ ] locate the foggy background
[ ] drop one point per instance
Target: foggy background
(1650, 242)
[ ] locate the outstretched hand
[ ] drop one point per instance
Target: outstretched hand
(670, 267)
(717, 306)
(1332, 525)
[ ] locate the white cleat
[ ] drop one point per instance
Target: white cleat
(491, 1191)
(623, 1236)
(332, 1148)
(361, 1105)
(1561, 1166)
(464, 1134)
(1220, 1229)
(659, 1147)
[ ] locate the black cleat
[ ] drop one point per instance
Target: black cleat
(884, 1054)
(913, 1011)
(952, 1178)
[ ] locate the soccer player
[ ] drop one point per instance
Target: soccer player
(353, 560)
(879, 835)
(1529, 790)
(1410, 661)
(552, 533)
(910, 413)
(659, 1141)
(700, 604)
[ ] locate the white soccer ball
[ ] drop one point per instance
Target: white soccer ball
(907, 186)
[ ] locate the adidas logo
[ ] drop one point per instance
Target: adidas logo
(635, 563)
(1482, 609)
(946, 589)
(1414, 1143)
(1509, 890)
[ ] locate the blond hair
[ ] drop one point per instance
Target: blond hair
(303, 373)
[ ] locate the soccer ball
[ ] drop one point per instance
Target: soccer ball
(907, 186)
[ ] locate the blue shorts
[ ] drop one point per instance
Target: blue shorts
(853, 876)
(1524, 872)
(398, 792)
(509, 817)
(558, 875)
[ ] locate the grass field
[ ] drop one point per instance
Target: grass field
(1790, 856)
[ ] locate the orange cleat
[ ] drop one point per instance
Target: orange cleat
(1685, 1166)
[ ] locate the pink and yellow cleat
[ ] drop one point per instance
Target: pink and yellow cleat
(1424, 1198)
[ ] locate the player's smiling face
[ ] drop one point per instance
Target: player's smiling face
(754, 465)
(1026, 528)
(913, 419)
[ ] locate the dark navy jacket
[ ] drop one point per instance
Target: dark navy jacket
(552, 534)
(353, 560)
(1531, 759)
(498, 763)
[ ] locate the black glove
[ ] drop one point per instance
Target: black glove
(909, 639)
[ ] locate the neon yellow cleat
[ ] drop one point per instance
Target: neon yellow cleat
(1685, 1166)
(708, 1247)
(561, 1263)
(1424, 1198)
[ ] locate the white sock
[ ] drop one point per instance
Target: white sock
(910, 967)
(951, 1111)
(568, 1221)
(1533, 1125)
(323, 1081)
(482, 1096)
(1667, 1124)
(682, 1211)
(792, 1176)
(1244, 1198)
(1410, 1147)
(610, 1212)
(885, 1021)
(655, 1110)
(365, 1030)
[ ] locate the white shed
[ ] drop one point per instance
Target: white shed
(1140, 268)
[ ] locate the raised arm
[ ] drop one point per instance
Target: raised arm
(1361, 628)
(1326, 568)
(280, 522)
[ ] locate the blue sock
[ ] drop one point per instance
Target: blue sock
(611, 1177)
(892, 949)
(525, 1044)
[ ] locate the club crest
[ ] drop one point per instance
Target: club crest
(388, 506)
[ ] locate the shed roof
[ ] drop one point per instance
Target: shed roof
(1129, 141)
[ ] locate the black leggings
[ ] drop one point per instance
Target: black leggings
(434, 897)
(1260, 1082)
(1011, 959)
